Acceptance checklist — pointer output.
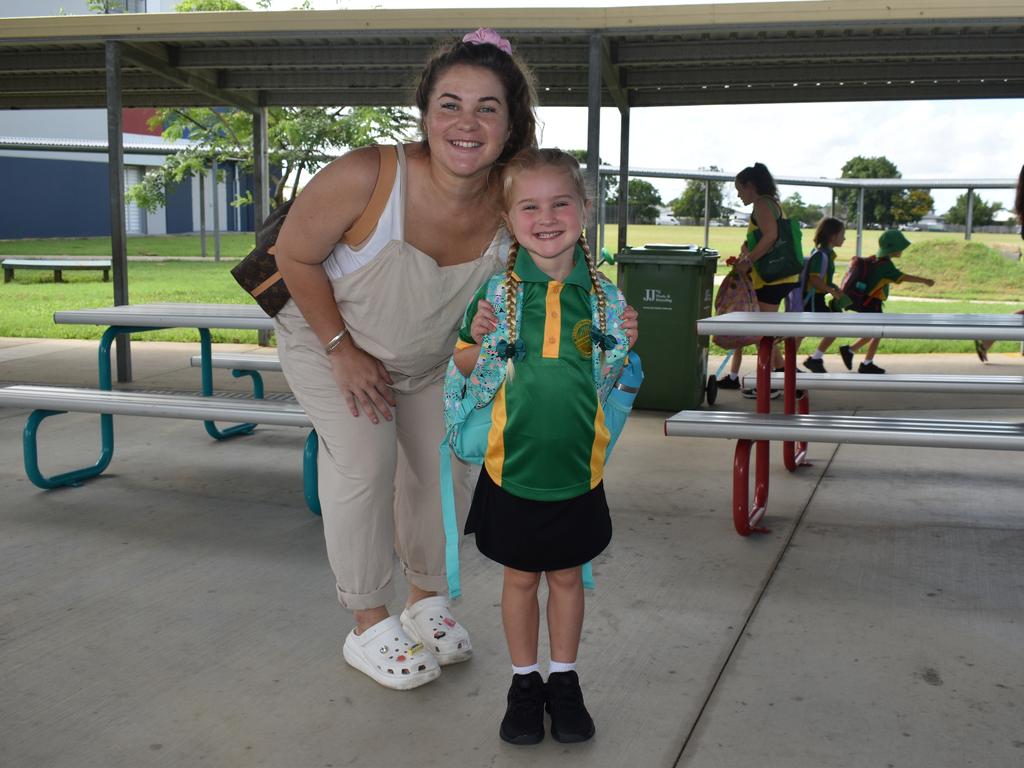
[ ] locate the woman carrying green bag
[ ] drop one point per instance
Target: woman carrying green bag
(770, 254)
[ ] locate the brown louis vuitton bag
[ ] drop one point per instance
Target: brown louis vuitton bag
(257, 273)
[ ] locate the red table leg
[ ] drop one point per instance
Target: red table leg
(744, 517)
(793, 454)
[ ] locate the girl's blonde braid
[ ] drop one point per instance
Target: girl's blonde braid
(596, 281)
(510, 304)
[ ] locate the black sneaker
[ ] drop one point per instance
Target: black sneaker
(751, 394)
(814, 365)
(728, 382)
(847, 354)
(570, 721)
(524, 718)
(869, 368)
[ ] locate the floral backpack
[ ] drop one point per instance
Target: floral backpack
(736, 294)
(468, 399)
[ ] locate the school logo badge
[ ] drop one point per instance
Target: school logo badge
(581, 337)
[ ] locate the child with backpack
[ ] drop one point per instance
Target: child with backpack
(539, 506)
(867, 285)
(819, 281)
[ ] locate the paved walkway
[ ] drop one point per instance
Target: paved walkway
(179, 610)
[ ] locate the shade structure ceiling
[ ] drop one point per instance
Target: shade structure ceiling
(848, 50)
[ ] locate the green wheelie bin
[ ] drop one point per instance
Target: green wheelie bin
(671, 287)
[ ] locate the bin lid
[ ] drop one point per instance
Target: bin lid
(665, 253)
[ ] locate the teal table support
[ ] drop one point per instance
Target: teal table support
(206, 372)
(30, 435)
(75, 476)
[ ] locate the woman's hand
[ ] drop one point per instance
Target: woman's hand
(631, 325)
(363, 381)
(484, 321)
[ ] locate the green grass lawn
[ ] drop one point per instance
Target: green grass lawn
(963, 271)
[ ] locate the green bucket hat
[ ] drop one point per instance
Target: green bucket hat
(892, 241)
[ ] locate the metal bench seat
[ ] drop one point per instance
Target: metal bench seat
(248, 361)
(900, 382)
(760, 428)
(864, 430)
(56, 265)
(50, 401)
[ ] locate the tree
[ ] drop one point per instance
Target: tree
(912, 206)
(878, 203)
(106, 6)
(796, 208)
(188, 6)
(644, 201)
(300, 140)
(882, 206)
(982, 212)
(690, 204)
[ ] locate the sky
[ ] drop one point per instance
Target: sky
(925, 139)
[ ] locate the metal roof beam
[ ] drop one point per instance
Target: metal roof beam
(52, 61)
(831, 73)
(830, 47)
(155, 58)
(612, 77)
(341, 54)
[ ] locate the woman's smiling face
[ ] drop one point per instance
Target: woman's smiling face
(467, 119)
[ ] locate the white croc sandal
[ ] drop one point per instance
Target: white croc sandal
(430, 621)
(387, 654)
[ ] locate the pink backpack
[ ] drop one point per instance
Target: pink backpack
(736, 294)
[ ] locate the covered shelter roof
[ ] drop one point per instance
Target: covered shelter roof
(823, 50)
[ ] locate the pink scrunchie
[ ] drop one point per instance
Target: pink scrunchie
(486, 35)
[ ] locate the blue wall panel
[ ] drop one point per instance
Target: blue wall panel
(53, 198)
(179, 208)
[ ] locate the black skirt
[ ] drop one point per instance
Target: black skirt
(538, 536)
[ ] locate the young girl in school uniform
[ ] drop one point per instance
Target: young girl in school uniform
(821, 270)
(539, 507)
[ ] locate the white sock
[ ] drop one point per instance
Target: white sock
(817, 355)
(733, 376)
(868, 361)
(561, 666)
(525, 670)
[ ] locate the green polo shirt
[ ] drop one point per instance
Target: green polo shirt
(548, 437)
(814, 267)
(883, 275)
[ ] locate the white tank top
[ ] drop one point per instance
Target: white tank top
(344, 260)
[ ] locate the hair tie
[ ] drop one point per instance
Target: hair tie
(488, 36)
(506, 351)
(604, 341)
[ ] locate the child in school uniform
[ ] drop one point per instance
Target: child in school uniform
(884, 273)
(820, 271)
(539, 507)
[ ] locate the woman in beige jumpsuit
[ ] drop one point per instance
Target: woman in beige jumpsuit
(365, 340)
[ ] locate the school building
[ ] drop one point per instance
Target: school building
(54, 162)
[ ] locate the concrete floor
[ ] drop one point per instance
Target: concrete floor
(179, 610)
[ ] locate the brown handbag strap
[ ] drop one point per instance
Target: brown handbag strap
(363, 226)
(367, 221)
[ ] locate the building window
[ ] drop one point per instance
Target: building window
(134, 216)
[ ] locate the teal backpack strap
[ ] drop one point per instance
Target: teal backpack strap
(450, 521)
(588, 575)
(462, 395)
(605, 376)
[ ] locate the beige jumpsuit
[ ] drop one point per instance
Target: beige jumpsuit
(378, 483)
